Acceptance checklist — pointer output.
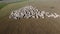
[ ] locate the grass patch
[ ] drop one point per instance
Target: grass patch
(2, 5)
(7, 9)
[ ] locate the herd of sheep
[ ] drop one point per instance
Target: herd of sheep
(31, 12)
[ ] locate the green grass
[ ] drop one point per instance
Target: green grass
(2, 5)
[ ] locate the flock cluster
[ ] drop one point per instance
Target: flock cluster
(31, 12)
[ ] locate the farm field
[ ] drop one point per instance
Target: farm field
(30, 26)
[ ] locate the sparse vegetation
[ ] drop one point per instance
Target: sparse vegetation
(2, 5)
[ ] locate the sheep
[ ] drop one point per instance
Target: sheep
(33, 16)
(41, 14)
(47, 14)
(29, 11)
(12, 14)
(56, 15)
(52, 15)
(27, 15)
(21, 15)
(36, 15)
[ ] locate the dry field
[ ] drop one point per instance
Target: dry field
(30, 26)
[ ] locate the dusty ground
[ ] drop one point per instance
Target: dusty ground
(30, 26)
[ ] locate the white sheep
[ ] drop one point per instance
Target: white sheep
(56, 15)
(33, 16)
(29, 11)
(42, 14)
(47, 14)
